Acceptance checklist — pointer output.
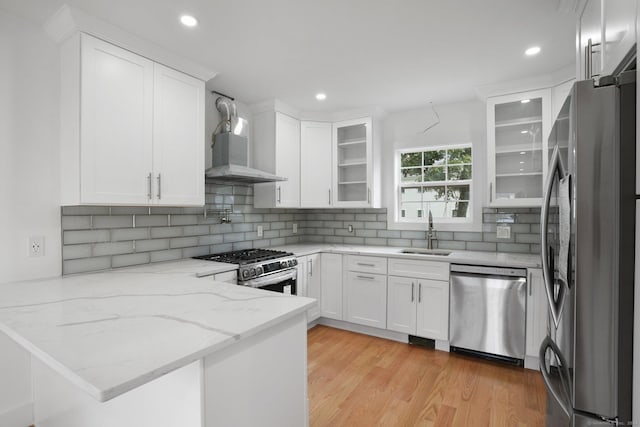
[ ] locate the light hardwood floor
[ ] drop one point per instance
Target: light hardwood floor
(358, 380)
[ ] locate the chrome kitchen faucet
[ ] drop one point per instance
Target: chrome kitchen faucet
(430, 232)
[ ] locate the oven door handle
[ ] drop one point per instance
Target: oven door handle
(272, 279)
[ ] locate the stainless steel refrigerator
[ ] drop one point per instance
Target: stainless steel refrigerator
(588, 227)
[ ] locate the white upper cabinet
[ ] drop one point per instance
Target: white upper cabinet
(276, 149)
(619, 19)
(116, 132)
(353, 163)
(606, 34)
(132, 131)
(315, 164)
(178, 132)
(518, 126)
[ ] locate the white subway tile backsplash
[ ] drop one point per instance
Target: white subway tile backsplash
(85, 236)
(76, 222)
(76, 251)
(152, 220)
(84, 265)
(167, 255)
(130, 259)
(183, 242)
(112, 248)
(119, 234)
(105, 237)
(152, 245)
(118, 221)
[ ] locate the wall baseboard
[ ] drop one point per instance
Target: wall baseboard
(21, 416)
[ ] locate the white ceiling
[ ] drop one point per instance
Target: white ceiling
(393, 54)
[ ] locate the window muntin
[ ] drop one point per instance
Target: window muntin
(435, 179)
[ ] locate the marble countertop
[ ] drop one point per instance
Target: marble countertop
(188, 266)
(500, 259)
(113, 331)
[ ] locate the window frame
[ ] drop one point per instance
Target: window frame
(398, 185)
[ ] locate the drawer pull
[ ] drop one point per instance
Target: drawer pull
(366, 277)
(412, 289)
(364, 264)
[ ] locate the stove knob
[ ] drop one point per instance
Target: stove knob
(290, 262)
(259, 271)
(283, 264)
(245, 274)
(295, 262)
(253, 272)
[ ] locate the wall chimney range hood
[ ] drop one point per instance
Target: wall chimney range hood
(229, 149)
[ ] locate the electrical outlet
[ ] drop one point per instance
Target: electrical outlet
(503, 232)
(36, 246)
(260, 231)
(295, 228)
(350, 228)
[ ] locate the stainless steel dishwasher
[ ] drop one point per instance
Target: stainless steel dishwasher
(487, 311)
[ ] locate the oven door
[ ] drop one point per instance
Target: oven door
(283, 281)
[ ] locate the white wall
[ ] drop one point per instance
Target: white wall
(29, 184)
(460, 123)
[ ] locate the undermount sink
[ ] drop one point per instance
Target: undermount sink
(418, 251)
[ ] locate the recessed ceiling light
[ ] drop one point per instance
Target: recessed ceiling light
(532, 51)
(522, 163)
(525, 101)
(321, 96)
(188, 21)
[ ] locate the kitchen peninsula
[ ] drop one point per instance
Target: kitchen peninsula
(157, 346)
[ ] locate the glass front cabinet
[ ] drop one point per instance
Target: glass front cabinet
(353, 163)
(518, 126)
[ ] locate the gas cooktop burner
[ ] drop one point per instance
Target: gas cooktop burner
(246, 256)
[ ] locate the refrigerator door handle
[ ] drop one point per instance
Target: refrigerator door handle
(555, 298)
(548, 344)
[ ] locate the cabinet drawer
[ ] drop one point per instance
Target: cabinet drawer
(367, 264)
(420, 269)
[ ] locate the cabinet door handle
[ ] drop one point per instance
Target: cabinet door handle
(587, 55)
(366, 264)
(530, 285)
(412, 291)
(310, 267)
(419, 292)
(329, 196)
(366, 277)
(279, 194)
(490, 192)
(149, 192)
(369, 195)
(159, 186)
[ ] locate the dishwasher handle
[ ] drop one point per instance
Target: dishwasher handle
(488, 271)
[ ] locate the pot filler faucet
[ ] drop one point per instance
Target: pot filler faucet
(430, 232)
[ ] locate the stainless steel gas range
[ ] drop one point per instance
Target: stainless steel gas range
(262, 268)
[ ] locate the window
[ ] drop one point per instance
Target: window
(436, 180)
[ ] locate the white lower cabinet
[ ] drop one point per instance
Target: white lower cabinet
(433, 309)
(401, 308)
(331, 289)
(366, 299)
(537, 316)
(309, 282)
(416, 303)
